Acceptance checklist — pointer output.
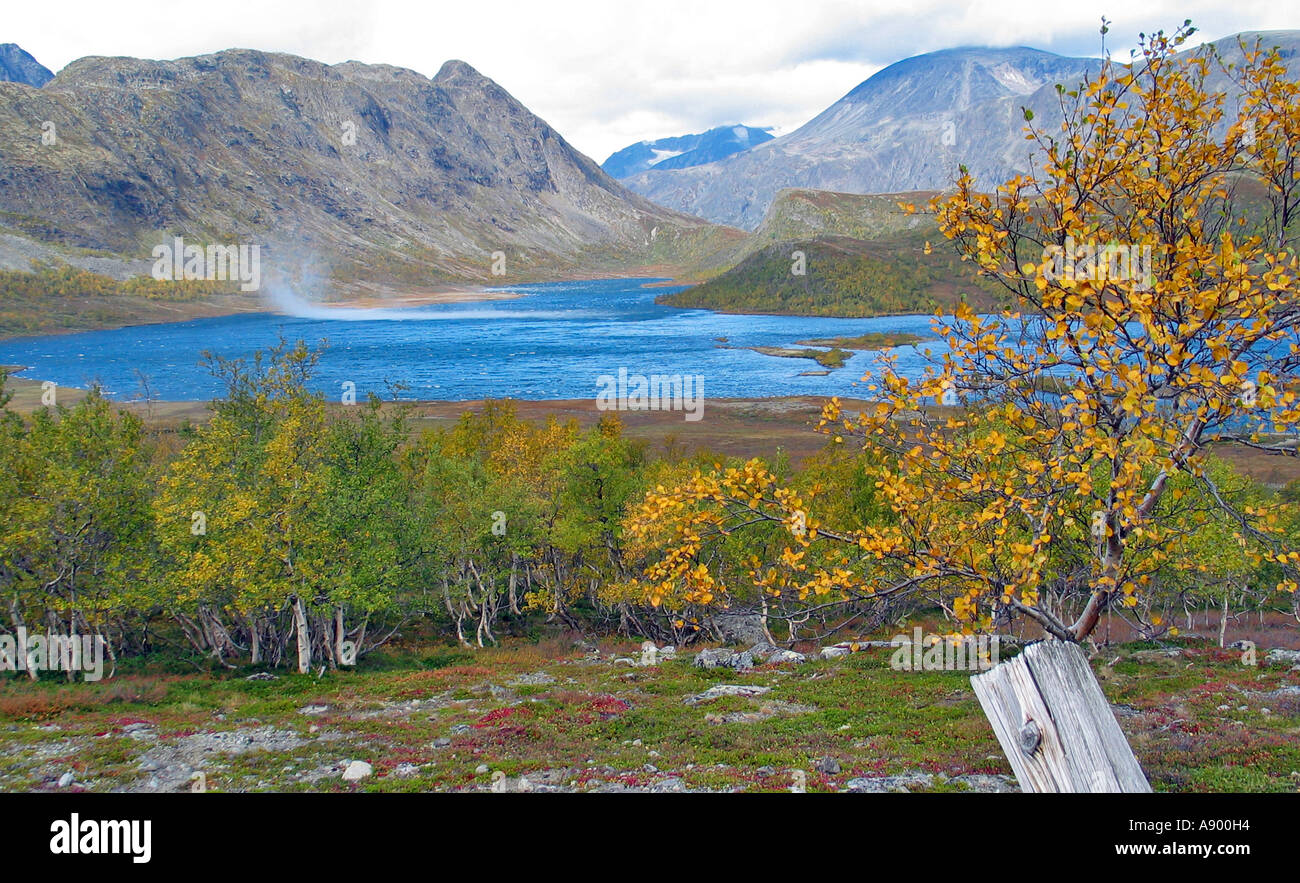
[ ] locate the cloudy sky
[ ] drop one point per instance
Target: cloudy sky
(607, 73)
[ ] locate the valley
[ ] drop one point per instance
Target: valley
(373, 436)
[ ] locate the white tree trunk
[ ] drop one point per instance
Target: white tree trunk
(304, 639)
(1223, 621)
(17, 617)
(338, 634)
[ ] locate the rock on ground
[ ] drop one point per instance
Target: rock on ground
(171, 764)
(720, 690)
(724, 659)
(740, 627)
(885, 784)
(770, 654)
(1283, 657)
(357, 770)
(906, 782)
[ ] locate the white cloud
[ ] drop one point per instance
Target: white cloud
(607, 74)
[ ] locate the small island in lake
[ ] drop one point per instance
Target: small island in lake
(831, 358)
(840, 348)
(872, 340)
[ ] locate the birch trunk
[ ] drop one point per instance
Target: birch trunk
(1223, 621)
(304, 639)
(338, 633)
(16, 615)
(254, 640)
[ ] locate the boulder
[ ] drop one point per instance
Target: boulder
(1283, 657)
(741, 627)
(834, 652)
(886, 784)
(719, 690)
(724, 659)
(356, 771)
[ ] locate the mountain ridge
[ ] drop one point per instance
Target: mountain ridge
(349, 170)
(907, 127)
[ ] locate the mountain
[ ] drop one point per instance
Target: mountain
(16, 66)
(908, 127)
(343, 172)
(684, 151)
(905, 128)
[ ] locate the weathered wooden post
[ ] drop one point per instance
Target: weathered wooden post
(1055, 725)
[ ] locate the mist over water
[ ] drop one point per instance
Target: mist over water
(284, 300)
(552, 342)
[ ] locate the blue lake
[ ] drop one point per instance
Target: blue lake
(552, 342)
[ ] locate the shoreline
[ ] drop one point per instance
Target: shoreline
(237, 304)
(402, 300)
(740, 427)
(246, 305)
(575, 405)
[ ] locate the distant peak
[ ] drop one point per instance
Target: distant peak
(455, 69)
(1015, 69)
(18, 66)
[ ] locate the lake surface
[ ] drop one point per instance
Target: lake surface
(550, 343)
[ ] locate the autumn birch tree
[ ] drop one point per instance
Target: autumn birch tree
(1038, 465)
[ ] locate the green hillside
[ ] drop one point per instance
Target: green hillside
(844, 276)
(798, 214)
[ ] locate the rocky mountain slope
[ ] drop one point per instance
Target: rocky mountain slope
(342, 172)
(908, 127)
(17, 66)
(684, 151)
